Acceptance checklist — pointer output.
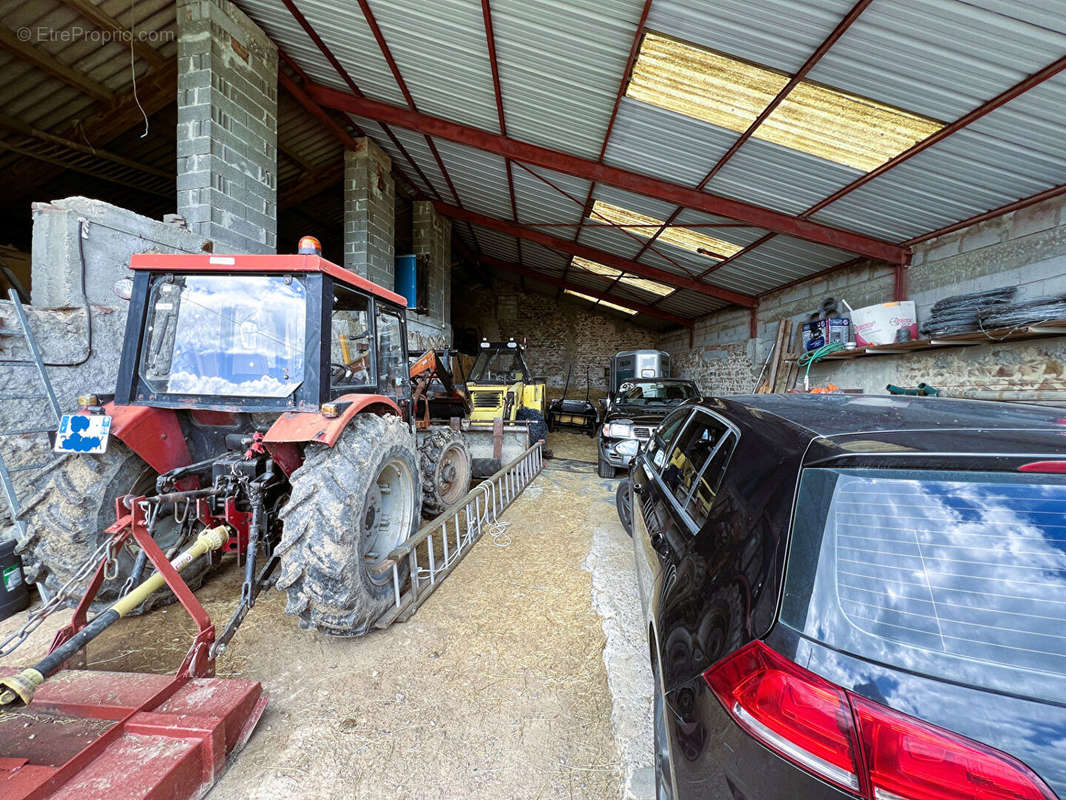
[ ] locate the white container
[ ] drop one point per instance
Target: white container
(885, 323)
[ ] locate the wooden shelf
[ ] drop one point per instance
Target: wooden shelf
(1035, 331)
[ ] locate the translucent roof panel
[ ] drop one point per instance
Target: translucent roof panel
(598, 302)
(685, 238)
(725, 91)
(643, 284)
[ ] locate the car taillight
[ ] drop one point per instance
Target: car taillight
(913, 759)
(803, 717)
(861, 746)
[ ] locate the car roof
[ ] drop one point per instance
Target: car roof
(875, 416)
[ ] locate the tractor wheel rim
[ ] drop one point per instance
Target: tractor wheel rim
(454, 472)
(389, 513)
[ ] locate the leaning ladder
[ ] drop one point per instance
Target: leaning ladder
(47, 394)
(442, 542)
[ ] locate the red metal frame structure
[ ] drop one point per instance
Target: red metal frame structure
(586, 209)
(738, 210)
(490, 40)
(591, 253)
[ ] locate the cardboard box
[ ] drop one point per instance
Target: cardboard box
(885, 323)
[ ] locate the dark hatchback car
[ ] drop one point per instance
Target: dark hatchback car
(640, 407)
(855, 597)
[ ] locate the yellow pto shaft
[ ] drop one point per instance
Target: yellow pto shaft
(18, 689)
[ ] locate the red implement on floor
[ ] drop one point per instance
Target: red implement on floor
(122, 736)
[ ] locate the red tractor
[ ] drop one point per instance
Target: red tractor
(270, 394)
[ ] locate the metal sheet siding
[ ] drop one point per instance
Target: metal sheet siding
(539, 202)
(561, 63)
(442, 54)
(342, 27)
(612, 240)
(479, 177)
(939, 58)
(496, 244)
(780, 178)
(776, 33)
(778, 261)
(655, 141)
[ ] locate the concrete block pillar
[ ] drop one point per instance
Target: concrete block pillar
(369, 213)
(431, 238)
(227, 127)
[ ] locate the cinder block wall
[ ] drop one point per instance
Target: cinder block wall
(1026, 249)
(431, 239)
(227, 127)
(559, 332)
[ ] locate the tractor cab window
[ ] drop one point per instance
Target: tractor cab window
(498, 365)
(392, 355)
(226, 335)
(351, 360)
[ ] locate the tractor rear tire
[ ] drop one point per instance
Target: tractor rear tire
(66, 519)
(538, 428)
(446, 470)
(338, 520)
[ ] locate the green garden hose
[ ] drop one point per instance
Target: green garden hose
(809, 358)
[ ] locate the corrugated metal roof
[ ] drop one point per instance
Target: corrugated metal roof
(940, 58)
(778, 33)
(779, 260)
(560, 65)
(539, 202)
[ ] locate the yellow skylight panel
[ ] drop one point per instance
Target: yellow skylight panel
(825, 122)
(623, 309)
(610, 272)
(645, 227)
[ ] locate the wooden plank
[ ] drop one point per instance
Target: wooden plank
(775, 363)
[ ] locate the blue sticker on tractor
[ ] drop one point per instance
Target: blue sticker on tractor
(75, 441)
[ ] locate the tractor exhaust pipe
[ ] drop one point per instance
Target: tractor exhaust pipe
(17, 690)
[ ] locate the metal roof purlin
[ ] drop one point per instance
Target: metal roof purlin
(562, 284)
(845, 23)
(586, 208)
(738, 210)
(1020, 88)
(593, 254)
(490, 42)
(344, 76)
(379, 37)
(1016, 205)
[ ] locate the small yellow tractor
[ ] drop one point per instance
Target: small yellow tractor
(506, 399)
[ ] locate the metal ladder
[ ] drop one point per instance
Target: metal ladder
(47, 394)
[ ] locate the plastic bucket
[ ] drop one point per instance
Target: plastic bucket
(14, 596)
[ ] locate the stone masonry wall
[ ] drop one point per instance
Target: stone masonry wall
(1026, 249)
(227, 127)
(558, 332)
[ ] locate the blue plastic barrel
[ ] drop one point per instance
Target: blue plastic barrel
(406, 282)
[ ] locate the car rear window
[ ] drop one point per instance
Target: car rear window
(958, 575)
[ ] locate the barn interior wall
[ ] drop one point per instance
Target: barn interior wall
(1026, 248)
(559, 332)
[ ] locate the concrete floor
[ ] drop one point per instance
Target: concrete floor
(525, 675)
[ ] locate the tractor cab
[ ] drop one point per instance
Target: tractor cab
(259, 333)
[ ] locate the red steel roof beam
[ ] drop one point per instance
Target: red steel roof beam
(593, 254)
(490, 41)
(562, 284)
(738, 210)
(634, 48)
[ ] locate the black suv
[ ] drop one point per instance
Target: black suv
(639, 407)
(855, 597)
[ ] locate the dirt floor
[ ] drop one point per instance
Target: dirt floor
(497, 688)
